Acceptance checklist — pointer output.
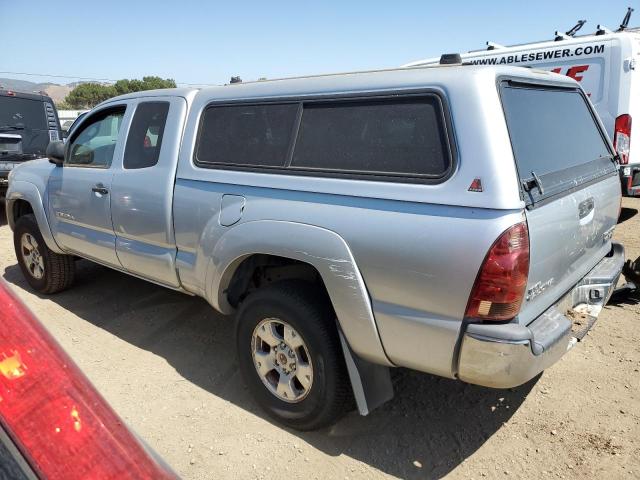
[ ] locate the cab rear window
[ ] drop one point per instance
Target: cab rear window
(554, 135)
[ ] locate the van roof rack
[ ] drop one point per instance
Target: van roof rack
(602, 30)
(494, 46)
(625, 20)
(571, 32)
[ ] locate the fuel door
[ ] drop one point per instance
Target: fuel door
(231, 209)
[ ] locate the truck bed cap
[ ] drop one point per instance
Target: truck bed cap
(376, 80)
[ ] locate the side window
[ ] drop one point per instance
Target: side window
(145, 135)
(246, 135)
(94, 145)
(388, 137)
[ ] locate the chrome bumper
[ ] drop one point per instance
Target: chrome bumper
(508, 355)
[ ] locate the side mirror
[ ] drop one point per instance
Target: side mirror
(55, 153)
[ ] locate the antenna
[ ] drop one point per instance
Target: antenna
(494, 46)
(625, 20)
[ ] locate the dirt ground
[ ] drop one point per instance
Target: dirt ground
(166, 363)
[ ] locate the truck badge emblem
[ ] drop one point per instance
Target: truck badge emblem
(476, 185)
(538, 288)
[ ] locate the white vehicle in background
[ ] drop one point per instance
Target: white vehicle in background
(69, 118)
(606, 64)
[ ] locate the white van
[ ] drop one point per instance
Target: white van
(607, 65)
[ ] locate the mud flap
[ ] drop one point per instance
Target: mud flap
(371, 383)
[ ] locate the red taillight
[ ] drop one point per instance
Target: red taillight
(63, 426)
(622, 137)
(502, 279)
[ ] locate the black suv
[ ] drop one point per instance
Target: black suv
(28, 122)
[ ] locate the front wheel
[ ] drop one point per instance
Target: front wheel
(45, 270)
(290, 356)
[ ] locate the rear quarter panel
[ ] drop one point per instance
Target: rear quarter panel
(418, 261)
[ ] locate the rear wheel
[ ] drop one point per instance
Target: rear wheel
(290, 356)
(45, 270)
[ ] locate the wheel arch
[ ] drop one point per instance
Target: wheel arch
(258, 270)
(24, 198)
(310, 247)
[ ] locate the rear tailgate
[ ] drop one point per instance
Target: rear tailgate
(569, 183)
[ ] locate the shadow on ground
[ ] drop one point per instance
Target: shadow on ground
(628, 294)
(434, 421)
(627, 214)
(3, 216)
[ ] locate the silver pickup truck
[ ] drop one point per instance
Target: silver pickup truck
(453, 219)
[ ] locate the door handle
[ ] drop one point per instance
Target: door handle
(100, 189)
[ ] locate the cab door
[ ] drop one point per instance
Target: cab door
(142, 193)
(80, 191)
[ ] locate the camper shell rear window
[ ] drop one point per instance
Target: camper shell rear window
(556, 140)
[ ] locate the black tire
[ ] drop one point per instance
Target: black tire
(59, 270)
(310, 314)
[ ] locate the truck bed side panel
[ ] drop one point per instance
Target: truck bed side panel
(419, 261)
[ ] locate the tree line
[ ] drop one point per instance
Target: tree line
(88, 95)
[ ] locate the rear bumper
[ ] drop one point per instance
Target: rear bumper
(508, 355)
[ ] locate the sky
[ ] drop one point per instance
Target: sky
(209, 41)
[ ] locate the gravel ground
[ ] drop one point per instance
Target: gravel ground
(166, 363)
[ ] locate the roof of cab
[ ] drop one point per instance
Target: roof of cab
(29, 95)
(163, 92)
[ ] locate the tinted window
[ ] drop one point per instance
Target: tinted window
(145, 135)
(26, 118)
(256, 135)
(22, 113)
(405, 137)
(551, 130)
(94, 144)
